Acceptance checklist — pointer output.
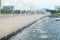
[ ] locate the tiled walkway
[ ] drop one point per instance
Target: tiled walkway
(11, 24)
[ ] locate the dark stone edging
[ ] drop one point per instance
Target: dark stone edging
(20, 30)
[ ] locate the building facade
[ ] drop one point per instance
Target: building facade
(0, 4)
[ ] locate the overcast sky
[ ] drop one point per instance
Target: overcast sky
(35, 4)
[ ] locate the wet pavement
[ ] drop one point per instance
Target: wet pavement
(41, 30)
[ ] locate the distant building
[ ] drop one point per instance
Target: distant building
(8, 9)
(57, 8)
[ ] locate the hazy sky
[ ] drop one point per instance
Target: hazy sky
(35, 4)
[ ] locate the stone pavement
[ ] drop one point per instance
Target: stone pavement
(11, 24)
